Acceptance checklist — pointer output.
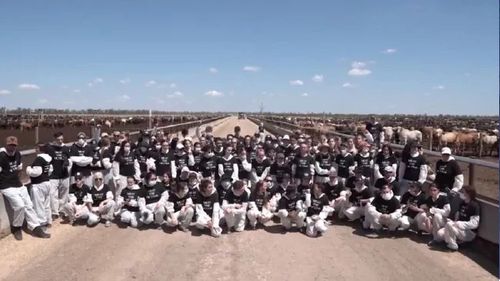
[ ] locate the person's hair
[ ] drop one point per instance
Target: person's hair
(388, 147)
(433, 185)
(149, 175)
(257, 188)
(385, 186)
(204, 184)
(105, 142)
(318, 185)
(206, 148)
(238, 184)
(131, 177)
(58, 134)
(259, 184)
(237, 129)
(471, 191)
(184, 132)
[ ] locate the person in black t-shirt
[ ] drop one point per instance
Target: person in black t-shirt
(80, 201)
(39, 173)
(291, 208)
(437, 210)
(235, 205)
(344, 164)
(180, 207)
(156, 196)
(413, 167)
(258, 205)
(359, 196)
(318, 208)
(384, 210)
(448, 175)
(59, 179)
(302, 164)
(103, 205)
(132, 203)
(208, 208)
(390, 180)
(464, 225)
(411, 203)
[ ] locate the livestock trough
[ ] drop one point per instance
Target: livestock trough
(488, 229)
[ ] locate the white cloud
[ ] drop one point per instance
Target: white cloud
(318, 78)
(389, 51)
(150, 83)
(251, 68)
(359, 69)
(214, 93)
(125, 81)
(43, 101)
(4, 92)
(439, 87)
(76, 91)
(305, 94)
(175, 94)
(173, 85)
(348, 85)
(95, 81)
(358, 64)
(125, 97)
(213, 70)
(26, 86)
(296, 82)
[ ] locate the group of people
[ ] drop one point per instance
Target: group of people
(239, 181)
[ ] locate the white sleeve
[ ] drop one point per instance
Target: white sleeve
(236, 172)
(458, 183)
(324, 212)
(422, 176)
(220, 169)
(247, 166)
(191, 160)
(264, 174)
(51, 169)
(173, 169)
(252, 205)
(151, 164)
(376, 171)
(137, 169)
(200, 212)
(106, 162)
(81, 161)
(109, 195)
(34, 172)
(473, 223)
(116, 170)
(396, 214)
(72, 198)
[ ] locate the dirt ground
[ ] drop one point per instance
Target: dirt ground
(343, 253)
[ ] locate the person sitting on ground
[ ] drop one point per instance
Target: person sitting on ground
(291, 209)
(359, 196)
(317, 211)
(131, 203)
(411, 203)
(80, 201)
(180, 207)
(235, 205)
(208, 208)
(155, 196)
(383, 211)
(258, 206)
(103, 205)
(336, 193)
(463, 227)
(437, 210)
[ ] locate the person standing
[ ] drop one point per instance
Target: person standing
(59, 179)
(81, 156)
(39, 173)
(16, 193)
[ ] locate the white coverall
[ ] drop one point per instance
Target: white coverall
(41, 192)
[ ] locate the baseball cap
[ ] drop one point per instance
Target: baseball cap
(446, 150)
(81, 135)
(180, 146)
(185, 169)
(286, 137)
(78, 176)
(11, 140)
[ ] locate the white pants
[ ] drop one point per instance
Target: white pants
(158, 215)
(182, 218)
(236, 219)
(405, 222)
(254, 216)
(131, 218)
(437, 222)
(339, 205)
(450, 234)
(105, 212)
(287, 221)
(320, 179)
(75, 211)
(40, 195)
(315, 226)
(120, 185)
(22, 206)
(353, 212)
(59, 190)
(372, 221)
(202, 223)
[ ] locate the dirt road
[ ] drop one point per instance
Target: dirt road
(99, 253)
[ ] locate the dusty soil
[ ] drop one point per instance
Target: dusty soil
(114, 253)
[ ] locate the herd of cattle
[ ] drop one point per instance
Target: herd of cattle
(466, 135)
(29, 122)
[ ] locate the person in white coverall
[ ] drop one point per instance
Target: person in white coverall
(208, 208)
(436, 211)
(180, 207)
(318, 208)
(383, 211)
(235, 205)
(258, 206)
(131, 203)
(156, 196)
(39, 173)
(101, 200)
(291, 208)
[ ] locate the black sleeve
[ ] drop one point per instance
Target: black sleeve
(282, 203)
(456, 168)
(37, 162)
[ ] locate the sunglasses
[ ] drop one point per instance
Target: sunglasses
(268, 180)
(98, 179)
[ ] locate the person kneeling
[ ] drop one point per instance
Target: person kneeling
(180, 209)
(234, 206)
(317, 211)
(383, 211)
(291, 209)
(466, 222)
(132, 203)
(208, 208)
(259, 206)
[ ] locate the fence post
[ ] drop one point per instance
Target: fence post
(37, 136)
(430, 144)
(471, 174)
(480, 147)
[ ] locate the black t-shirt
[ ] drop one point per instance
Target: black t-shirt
(87, 151)
(197, 156)
(207, 202)
(242, 173)
(408, 199)
(317, 204)
(177, 201)
(231, 198)
(259, 198)
(260, 166)
(278, 189)
(394, 185)
(208, 166)
(142, 159)
(468, 210)
(303, 165)
(163, 163)
(333, 191)
(440, 202)
(227, 166)
(222, 193)
(60, 163)
(325, 162)
(356, 196)
(153, 194)
(364, 163)
(288, 204)
(412, 169)
(181, 162)
(344, 162)
(386, 206)
(383, 162)
(132, 194)
(279, 170)
(41, 162)
(126, 163)
(99, 195)
(79, 192)
(446, 173)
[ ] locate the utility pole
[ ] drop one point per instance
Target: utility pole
(261, 108)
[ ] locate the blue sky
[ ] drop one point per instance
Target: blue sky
(294, 56)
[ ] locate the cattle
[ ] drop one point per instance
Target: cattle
(406, 135)
(388, 133)
(489, 142)
(466, 140)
